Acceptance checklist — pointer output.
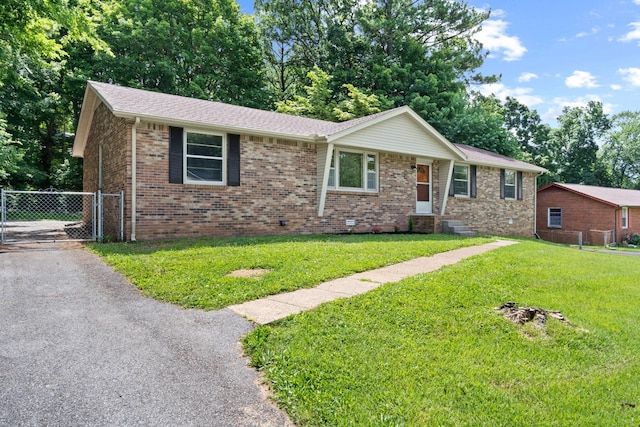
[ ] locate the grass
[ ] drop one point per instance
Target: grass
(430, 350)
(195, 272)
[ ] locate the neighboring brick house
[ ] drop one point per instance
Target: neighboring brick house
(190, 167)
(603, 215)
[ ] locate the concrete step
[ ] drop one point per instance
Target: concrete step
(457, 227)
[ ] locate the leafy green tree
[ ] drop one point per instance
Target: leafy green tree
(34, 38)
(575, 144)
(621, 152)
(480, 124)
(420, 54)
(10, 155)
(198, 48)
(322, 103)
(533, 137)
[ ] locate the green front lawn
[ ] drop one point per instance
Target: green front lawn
(431, 350)
(195, 272)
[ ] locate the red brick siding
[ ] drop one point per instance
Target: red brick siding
(579, 214)
(488, 214)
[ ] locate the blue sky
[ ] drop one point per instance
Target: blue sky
(556, 53)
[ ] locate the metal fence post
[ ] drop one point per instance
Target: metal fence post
(122, 215)
(100, 215)
(3, 219)
(579, 239)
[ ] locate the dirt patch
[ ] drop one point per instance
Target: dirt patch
(253, 273)
(522, 315)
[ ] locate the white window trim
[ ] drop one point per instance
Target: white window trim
(335, 171)
(549, 225)
(223, 159)
(468, 167)
(624, 218)
(515, 184)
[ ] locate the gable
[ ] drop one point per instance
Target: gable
(399, 134)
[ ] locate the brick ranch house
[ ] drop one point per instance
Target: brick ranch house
(602, 214)
(190, 167)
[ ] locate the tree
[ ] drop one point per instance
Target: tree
(575, 144)
(480, 124)
(322, 103)
(34, 37)
(198, 48)
(621, 152)
(10, 156)
(420, 54)
(532, 136)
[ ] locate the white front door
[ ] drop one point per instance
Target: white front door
(423, 187)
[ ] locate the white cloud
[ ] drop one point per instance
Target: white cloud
(527, 77)
(615, 86)
(593, 31)
(581, 79)
(637, 2)
(522, 94)
(494, 38)
(632, 75)
(633, 34)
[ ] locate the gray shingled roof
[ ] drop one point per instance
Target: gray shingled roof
(128, 102)
(182, 111)
(479, 156)
(614, 196)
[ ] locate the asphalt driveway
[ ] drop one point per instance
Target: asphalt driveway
(80, 346)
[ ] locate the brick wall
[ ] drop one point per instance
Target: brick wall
(488, 214)
(579, 214)
(278, 183)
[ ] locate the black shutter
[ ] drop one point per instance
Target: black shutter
(233, 159)
(472, 171)
(451, 184)
(502, 183)
(176, 143)
(519, 185)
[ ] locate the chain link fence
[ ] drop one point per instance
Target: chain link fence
(37, 216)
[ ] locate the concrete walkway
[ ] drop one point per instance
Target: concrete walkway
(274, 307)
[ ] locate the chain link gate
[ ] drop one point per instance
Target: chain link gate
(52, 216)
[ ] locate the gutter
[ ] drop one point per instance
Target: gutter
(134, 159)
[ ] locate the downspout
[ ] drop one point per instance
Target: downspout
(134, 141)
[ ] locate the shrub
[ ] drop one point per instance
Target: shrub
(631, 239)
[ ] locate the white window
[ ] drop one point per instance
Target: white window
(625, 218)
(461, 180)
(204, 158)
(555, 218)
(354, 170)
(510, 184)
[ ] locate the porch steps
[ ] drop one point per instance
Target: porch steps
(454, 226)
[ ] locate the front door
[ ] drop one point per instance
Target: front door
(423, 187)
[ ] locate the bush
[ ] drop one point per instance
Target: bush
(631, 239)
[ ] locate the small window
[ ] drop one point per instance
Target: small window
(625, 218)
(353, 170)
(204, 155)
(555, 218)
(510, 184)
(461, 180)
